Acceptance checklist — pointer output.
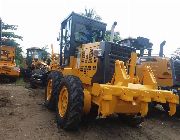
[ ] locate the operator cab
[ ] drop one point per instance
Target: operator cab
(77, 30)
(33, 53)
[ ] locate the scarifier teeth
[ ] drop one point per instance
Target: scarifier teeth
(172, 110)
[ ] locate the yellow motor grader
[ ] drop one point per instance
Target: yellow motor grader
(36, 70)
(92, 79)
(9, 72)
(8, 69)
(166, 71)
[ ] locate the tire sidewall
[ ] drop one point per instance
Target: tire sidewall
(56, 77)
(63, 122)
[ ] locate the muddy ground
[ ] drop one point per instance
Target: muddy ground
(24, 117)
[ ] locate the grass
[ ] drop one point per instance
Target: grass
(20, 82)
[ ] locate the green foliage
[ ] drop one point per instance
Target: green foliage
(176, 54)
(19, 57)
(9, 38)
(44, 53)
(9, 27)
(91, 13)
(10, 42)
(11, 35)
(108, 36)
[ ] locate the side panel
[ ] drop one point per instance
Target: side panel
(176, 72)
(85, 65)
(106, 64)
(160, 67)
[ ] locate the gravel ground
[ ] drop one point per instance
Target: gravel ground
(24, 117)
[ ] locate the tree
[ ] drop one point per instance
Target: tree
(9, 38)
(176, 54)
(91, 13)
(108, 36)
(45, 54)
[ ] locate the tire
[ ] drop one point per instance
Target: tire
(32, 81)
(178, 111)
(56, 77)
(32, 85)
(71, 118)
(92, 115)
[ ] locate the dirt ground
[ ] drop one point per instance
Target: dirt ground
(24, 117)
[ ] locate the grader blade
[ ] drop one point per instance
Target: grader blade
(126, 95)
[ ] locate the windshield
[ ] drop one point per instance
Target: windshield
(5, 56)
(34, 54)
(87, 34)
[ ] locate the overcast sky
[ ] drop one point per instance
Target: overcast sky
(39, 20)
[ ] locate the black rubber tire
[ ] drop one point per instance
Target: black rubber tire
(74, 112)
(92, 115)
(32, 84)
(56, 77)
(178, 111)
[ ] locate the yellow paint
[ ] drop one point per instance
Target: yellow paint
(87, 101)
(7, 62)
(126, 93)
(49, 90)
(159, 66)
(132, 65)
(63, 101)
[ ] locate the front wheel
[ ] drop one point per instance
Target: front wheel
(51, 90)
(70, 102)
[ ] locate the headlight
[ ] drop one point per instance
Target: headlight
(174, 90)
(97, 52)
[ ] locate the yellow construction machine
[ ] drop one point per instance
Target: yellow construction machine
(9, 72)
(36, 70)
(166, 71)
(8, 69)
(92, 79)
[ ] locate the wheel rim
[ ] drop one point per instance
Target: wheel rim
(49, 90)
(63, 101)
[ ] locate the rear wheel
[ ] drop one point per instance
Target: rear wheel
(70, 101)
(51, 91)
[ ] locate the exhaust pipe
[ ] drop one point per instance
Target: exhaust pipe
(161, 51)
(112, 31)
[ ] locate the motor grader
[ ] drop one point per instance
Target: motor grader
(166, 71)
(9, 72)
(92, 80)
(36, 69)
